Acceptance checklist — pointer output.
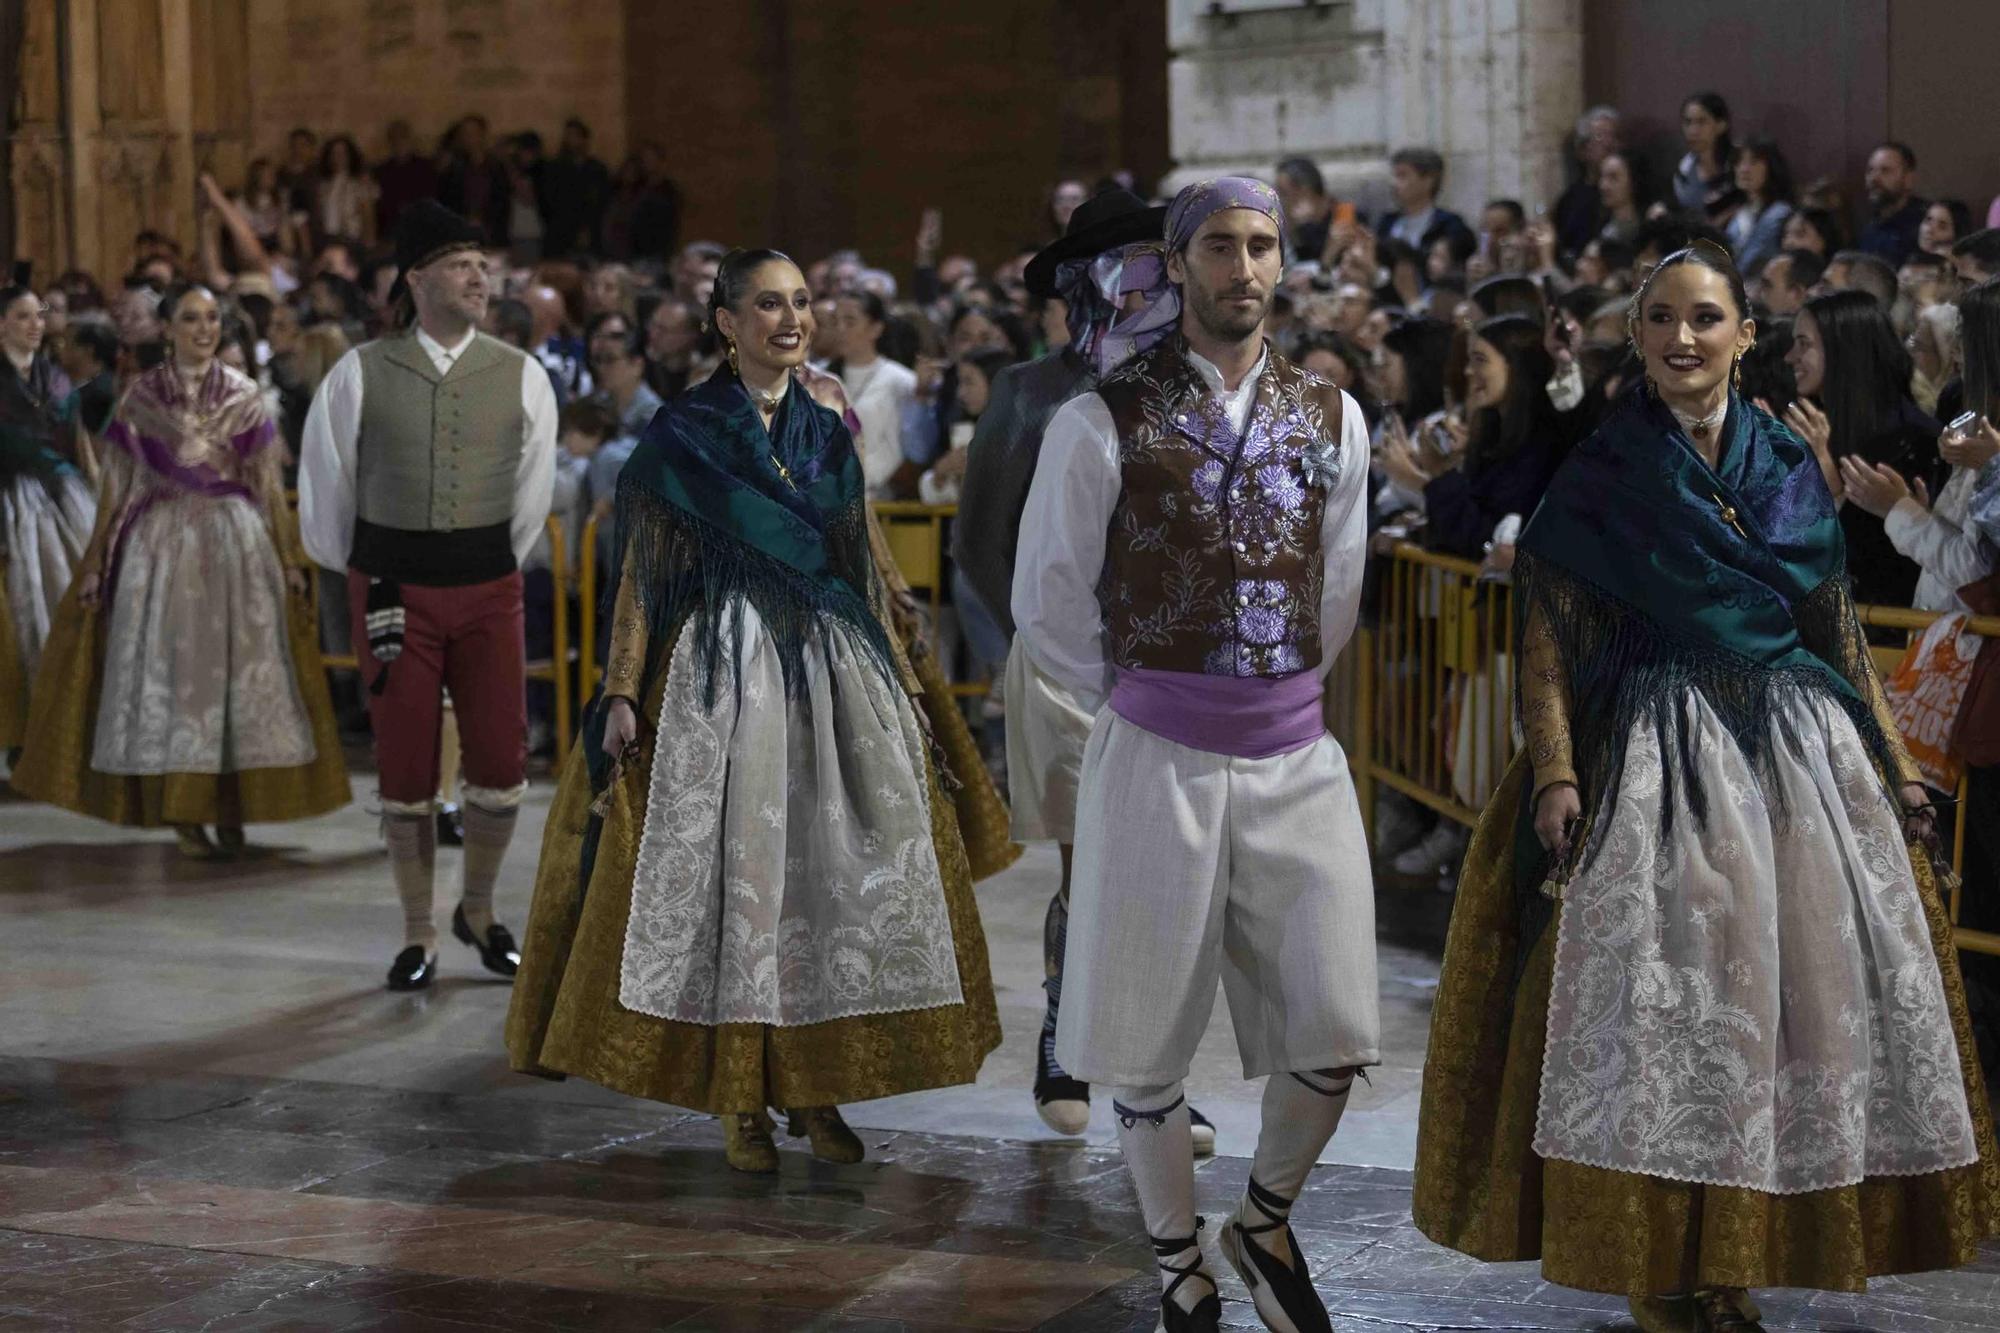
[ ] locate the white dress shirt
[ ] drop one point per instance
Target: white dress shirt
(878, 392)
(1068, 519)
(327, 455)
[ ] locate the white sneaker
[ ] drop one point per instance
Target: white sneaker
(1437, 853)
(1202, 1132)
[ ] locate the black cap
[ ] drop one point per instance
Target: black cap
(1114, 218)
(429, 231)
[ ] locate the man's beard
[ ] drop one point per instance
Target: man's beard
(1227, 323)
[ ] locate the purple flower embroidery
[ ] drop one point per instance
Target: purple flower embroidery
(1286, 659)
(1208, 481)
(1262, 625)
(1281, 486)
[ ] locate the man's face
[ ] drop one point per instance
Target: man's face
(452, 287)
(1229, 272)
(1779, 292)
(1889, 179)
(1412, 188)
(1838, 277)
(670, 333)
(138, 317)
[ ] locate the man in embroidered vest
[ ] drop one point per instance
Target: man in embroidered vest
(1109, 272)
(1191, 554)
(426, 472)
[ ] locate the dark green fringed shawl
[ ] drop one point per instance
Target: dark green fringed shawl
(30, 430)
(1649, 590)
(707, 523)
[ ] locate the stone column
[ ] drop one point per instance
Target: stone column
(1494, 85)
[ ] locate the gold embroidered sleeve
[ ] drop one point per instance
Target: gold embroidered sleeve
(267, 478)
(625, 661)
(1545, 707)
(1830, 627)
(114, 493)
(894, 605)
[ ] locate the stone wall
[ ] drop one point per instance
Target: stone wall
(356, 65)
(1494, 85)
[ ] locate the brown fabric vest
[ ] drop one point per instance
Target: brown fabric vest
(1213, 562)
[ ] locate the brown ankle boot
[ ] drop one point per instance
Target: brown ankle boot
(1728, 1308)
(1666, 1314)
(832, 1140)
(746, 1143)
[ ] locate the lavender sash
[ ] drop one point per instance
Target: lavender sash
(1247, 717)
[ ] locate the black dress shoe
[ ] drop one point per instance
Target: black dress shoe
(498, 952)
(414, 969)
(451, 826)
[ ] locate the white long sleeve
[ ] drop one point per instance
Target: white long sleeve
(1344, 537)
(1061, 551)
(535, 478)
(1950, 553)
(327, 463)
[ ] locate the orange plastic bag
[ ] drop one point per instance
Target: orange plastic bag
(1925, 694)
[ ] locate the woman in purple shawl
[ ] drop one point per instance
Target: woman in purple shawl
(181, 683)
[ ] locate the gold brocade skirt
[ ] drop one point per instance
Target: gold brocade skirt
(13, 679)
(60, 737)
(1481, 1190)
(982, 816)
(566, 1018)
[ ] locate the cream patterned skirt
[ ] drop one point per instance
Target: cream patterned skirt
(198, 672)
(1754, 1003)
(787, 870)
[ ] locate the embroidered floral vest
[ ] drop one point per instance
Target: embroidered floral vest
(1213, 563)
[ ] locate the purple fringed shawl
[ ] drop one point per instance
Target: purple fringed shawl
(201, 443)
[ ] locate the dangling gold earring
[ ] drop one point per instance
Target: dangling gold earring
(730, 343)
(1736, 375)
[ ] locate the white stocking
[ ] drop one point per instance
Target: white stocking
(1301, 1111)
(1153, 1134)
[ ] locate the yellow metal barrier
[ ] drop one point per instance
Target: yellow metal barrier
(551, 668)
(1423, 703)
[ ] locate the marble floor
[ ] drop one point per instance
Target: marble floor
(212, 1116)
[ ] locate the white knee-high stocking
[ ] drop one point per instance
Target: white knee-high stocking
(1301, 1112)
(1153, 1134)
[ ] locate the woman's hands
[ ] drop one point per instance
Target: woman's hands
(1811, 425)
(1876, 488)
(621, 726)
(1399, 459)
(1975, 449)
(1919, 815)
(1556, 811)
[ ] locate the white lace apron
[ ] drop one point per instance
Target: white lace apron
(786, 870)
(1756, 1003)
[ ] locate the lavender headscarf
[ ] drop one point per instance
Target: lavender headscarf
(1204, 199)
(1100, 330)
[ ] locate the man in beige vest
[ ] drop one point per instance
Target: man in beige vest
(426, 472)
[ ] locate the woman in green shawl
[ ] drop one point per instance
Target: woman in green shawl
(1700, 1026)
(752, 891)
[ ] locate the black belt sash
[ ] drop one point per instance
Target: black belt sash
(427, 559)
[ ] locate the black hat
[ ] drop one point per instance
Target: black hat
(1114, 218)
(428, 231)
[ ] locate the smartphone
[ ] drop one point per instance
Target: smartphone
(1964, 424)
(1343, 213)
(1559, 324)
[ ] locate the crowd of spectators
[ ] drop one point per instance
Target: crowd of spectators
(1479, 348)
